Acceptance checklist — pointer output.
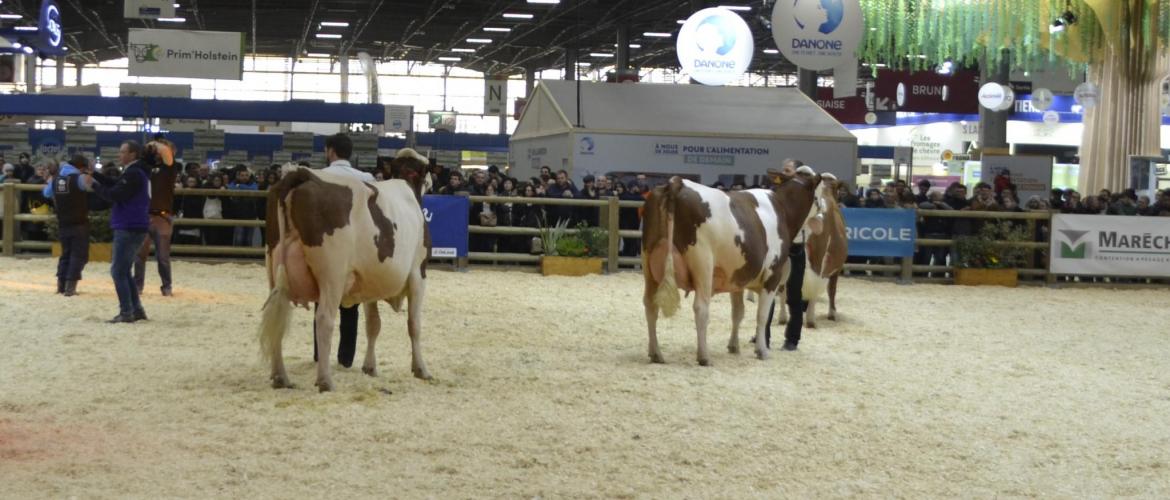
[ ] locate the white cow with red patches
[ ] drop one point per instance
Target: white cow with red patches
(706, 241)
(335, 240)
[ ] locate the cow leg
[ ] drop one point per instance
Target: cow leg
(323, 324)
(651, 313)
(783, 310)
(762, 309)
(414, 324)
(703, 272)
(832, 297)
(373, 327)
(810, 314)
(736, 318)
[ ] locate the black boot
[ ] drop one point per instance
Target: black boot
(140, 315)
(70, 288)
(60, 286)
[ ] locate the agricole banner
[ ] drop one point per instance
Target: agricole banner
(186, 54)
(927, 92)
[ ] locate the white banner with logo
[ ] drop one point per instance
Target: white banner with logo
(148, 9)
(187, 54)
(495, 97)
(1032, 175)
(1110, 245)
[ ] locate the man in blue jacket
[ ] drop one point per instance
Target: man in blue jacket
(130, 220)
(72, 208)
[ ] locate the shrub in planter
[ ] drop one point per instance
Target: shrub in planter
(575, 254)
(984, 259)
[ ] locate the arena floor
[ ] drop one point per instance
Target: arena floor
(543, 390)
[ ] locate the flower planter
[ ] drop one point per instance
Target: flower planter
(98, 252)
(570, 266)
(996, 277)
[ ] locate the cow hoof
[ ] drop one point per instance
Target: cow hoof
(657, 358)
(281, 383)
(783, 321)
(324, 386)
(762, 355)
(733, 348)
(370, 370)
(811, 324)
(832, 316)
(421, 374)
(704, 362)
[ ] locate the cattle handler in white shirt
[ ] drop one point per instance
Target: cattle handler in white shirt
(338, 149)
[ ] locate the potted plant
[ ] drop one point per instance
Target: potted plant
(575, 254)
(984, 259)
(101, 237)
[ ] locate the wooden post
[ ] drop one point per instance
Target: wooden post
(907, 277)
(10, 209)
(612, 225)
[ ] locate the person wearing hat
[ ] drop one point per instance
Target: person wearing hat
(162, 200)
(793, 288)
(72, 207)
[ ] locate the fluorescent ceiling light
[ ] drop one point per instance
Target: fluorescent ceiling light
(25, 28)
(328, 35)
(517, 15)
(479, 40)
(681, 21)
(16, 45)
(176, 6)
(317, 54)
(28, 50)
(451, 59)
(335, 24)
(771, 51)
(172, 19)
(741, 8)
(549, 2)
(657, 34)
(600, 54)
(497, 30)
(10, 16)
(461, 49)
(582, 63)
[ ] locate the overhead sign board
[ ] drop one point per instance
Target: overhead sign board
(495, 97)
(187, 54)
(49, 29)
(926, 92)
(715, 46)
(818, 34)
(441, 121)
(398, 119)
(148, 9)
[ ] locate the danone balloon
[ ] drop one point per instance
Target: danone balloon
(715, 46)
(1051, 117)
(1009, 98)
(1042, 99)
(1086, 94)
(818, 34)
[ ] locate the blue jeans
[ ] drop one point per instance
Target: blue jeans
(126, 245)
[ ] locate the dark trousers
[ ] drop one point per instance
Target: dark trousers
(126, 245)
(160, 235)
(793, 290)
(74, 252)
(348, 344)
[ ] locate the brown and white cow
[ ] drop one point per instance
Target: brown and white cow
(703, 240)
(335, 240)
(824, 257)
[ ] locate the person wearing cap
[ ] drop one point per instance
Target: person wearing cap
(130, 220)
(162, 200)
(793, 288)
(72, 207)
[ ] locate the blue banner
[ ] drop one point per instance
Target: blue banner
(880, 232)
(447, 218)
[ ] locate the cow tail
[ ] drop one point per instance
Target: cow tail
(275, 316)
(666, 297)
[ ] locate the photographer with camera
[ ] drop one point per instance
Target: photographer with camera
(129, 218)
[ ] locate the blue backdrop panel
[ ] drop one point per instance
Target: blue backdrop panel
(880, 232)
(200, 109)
(447, 217)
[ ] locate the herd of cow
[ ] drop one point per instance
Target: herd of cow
(335, 240)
